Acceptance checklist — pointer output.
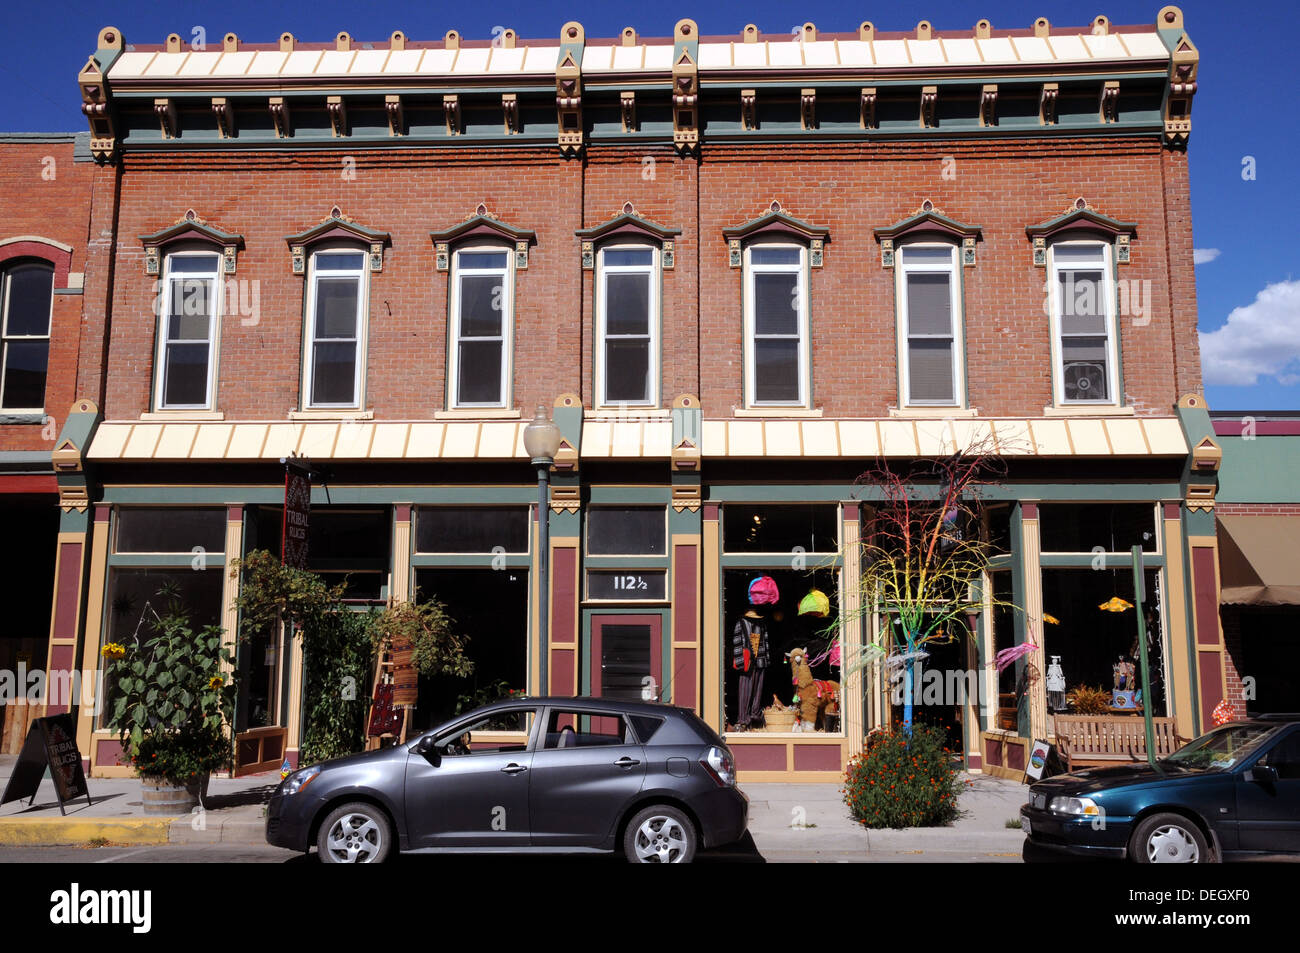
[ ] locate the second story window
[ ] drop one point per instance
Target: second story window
(930, 324)
(776, 326)
(26, 301)
(627, 326)
(1083, 316)
(482, 310)
(336, 329)
(187, 342)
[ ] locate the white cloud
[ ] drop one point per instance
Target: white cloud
(1261, 338)
(1203, 256)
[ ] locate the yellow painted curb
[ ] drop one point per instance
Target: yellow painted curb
(49, 831)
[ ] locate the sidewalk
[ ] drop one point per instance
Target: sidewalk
(788, 822)
(830, 833)
(231, 813)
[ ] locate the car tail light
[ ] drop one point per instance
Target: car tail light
(719, 766)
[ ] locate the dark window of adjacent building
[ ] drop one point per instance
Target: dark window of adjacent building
(1081, 527)
(163, 529)
(780, 528)
(471, 529)
(626, 531)
(26, 300)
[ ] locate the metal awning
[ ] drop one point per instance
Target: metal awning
(1258, 565)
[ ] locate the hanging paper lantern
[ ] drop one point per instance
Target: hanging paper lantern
(763, 591)
(1051, 618)
(1115, 604)
(815, 604)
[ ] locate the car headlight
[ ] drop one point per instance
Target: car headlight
(300, 779)
(1076, 806)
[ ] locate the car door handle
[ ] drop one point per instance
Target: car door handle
(513, 768)
(625, 762)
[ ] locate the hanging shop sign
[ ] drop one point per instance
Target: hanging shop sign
(297, 509)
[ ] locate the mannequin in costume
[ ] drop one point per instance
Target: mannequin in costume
(749, 657)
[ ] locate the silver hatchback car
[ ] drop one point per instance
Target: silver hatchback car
(535, 774)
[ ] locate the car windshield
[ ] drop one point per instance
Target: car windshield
(1221, 749)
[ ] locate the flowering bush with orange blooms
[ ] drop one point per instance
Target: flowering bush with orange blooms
(903, 780)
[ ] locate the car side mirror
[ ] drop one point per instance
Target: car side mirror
(427, 747)
(1263, 774)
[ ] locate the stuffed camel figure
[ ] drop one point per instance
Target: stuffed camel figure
(814, 695)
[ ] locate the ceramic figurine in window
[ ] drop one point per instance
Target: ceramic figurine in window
(749, 653)
(1056, 685)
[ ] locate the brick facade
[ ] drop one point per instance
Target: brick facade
(44, 194)
(850, 189)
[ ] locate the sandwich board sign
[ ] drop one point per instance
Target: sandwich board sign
(51, 743)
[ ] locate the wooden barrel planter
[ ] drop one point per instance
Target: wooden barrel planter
(165, 796)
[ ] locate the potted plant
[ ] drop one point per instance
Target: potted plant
(172, 705)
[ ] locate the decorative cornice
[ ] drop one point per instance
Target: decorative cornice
(190, 227)
(927, 220)
(625, 224)
(483, 223)
(338, 225)
(1081, 216)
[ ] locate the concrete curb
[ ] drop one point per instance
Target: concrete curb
(233, 830)
(43, 832)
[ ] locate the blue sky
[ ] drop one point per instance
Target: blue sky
(1245, 225)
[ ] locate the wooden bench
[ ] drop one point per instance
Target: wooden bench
(1096, 740)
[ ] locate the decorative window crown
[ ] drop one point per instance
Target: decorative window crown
(190, 227)
(338, 225)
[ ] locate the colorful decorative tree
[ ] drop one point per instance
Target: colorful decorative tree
(923, 555)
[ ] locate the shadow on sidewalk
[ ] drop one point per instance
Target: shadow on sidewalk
(244, 798)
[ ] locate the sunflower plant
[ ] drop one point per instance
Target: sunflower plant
(170, 700)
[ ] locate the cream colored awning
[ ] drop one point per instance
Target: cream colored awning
(635, 439)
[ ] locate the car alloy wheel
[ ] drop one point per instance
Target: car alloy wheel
(1172, 844)
(1169, 839)
(660, 835)
(354, 834)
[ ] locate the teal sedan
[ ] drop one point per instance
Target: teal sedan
(1231, 794)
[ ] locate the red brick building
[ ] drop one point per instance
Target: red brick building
(47, 182)
(739, 269)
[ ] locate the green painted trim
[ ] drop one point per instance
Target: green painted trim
(627, 562)
(642, 495)
(74, 521)
(163, 560)
(470, 561)
(666, 646)
(26, 459)
(1084, 561)
(1260, 469)
(781, 561)
(967, 82)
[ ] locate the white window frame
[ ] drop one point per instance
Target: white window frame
(800, 269)
(652, 274)
(953, 269)
(6, 337)
(164, 324)
(362, 274)
(507, 326)
(1112, 331)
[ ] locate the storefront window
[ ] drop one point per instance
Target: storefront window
(138, 597)
(1094, 638)
(770, 632)
(1083, 527)
(780, 528)
(477, 529)
(490, 608)
(626, 531)
(166, 529)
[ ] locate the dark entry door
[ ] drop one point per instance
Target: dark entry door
(626, 657)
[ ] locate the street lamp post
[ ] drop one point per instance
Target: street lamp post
(542, 442)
